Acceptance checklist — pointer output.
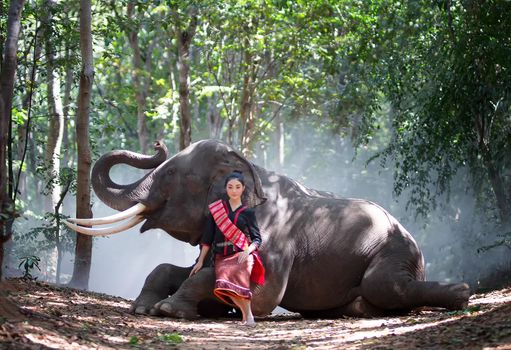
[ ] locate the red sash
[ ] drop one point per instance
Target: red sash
(233, 234)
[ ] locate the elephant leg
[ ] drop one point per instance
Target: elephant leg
(265, 299)
(387, 285)
(193, 298)
(163, 281)
(357, 308)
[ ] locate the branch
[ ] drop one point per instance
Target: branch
(29, 115)
(62, 196)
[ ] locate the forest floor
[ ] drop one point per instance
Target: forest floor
(64, 318)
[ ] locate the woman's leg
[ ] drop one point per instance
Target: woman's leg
(246, 310)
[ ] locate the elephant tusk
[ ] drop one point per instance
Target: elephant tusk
(134, 210)
(107, 230)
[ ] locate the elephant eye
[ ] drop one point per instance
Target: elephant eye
(171, 171)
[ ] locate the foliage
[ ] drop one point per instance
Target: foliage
(133, 340)
(29, 262)
(48, 234)
(445, 69)
(171, 338)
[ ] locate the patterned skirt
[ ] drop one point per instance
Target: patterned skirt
(232, 278)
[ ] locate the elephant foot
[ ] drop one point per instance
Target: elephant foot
(459, 295)
(361, 308)
(450, 296)
(172, 308)
(145, 302)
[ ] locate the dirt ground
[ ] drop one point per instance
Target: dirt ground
(64, 318)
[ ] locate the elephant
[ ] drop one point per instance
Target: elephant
(325, 256)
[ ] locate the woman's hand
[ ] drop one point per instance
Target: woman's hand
(244, 254)
(196, 268)
(200, 261)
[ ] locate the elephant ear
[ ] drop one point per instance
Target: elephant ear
(253, 195)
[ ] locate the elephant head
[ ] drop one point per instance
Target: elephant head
(175, 195)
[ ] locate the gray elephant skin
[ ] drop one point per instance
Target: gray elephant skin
(325, 256)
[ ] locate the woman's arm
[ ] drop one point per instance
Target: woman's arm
(206, 242)
(253, 229)
(200, 261)
(255, 235)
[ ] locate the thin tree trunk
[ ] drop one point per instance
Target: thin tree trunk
(137, 80)
(66, 142)
(57, 236)
(7, 77)
(23, 129)
(141, 83)
(83, 251)
(55, 127)
(55, 112)
(247, 106)
(483, 129)
(497, 184)
(278, 141)
(184, 39)
(215, 120)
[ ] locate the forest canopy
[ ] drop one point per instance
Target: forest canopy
(418, 89)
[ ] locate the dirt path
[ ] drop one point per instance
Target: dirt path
(62, 318)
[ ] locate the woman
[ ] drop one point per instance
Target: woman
(235, 237)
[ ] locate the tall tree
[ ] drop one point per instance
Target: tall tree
(55, 110)
(83, 251)
(185, 26)
(7, 76)
(141, 77)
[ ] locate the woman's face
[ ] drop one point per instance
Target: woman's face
(234, 189)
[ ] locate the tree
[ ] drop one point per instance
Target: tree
(445, 70)
(83, 250)
(7, 76)
(141, 74)
(184, 31)
(55, 111)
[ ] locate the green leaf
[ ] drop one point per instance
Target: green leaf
(133, 340)
(171, 338)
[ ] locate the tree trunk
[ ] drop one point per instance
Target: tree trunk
(83, 251)
(483, 130)
(497, 184)
(58, 243)
(24, 128)
(215, 120)
(55, 112)
(184, 39)
(278, 142)
(55, 128)
(247, 106)
(7, 76)
(66, 161)
(138, 81)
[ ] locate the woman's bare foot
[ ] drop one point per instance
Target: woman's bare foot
(250, 322)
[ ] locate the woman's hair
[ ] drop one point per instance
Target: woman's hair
(237, 175)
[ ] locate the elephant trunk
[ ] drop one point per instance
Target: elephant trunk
(122, 197)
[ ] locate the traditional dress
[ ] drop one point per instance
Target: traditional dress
(230, 232)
